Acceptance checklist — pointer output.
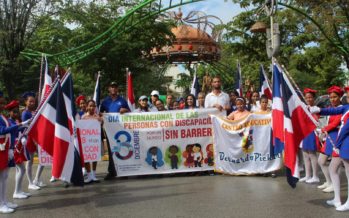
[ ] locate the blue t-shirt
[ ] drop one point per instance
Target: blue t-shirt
(110, 106)
(26, 115)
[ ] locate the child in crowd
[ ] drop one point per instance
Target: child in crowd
(91, 114)
(241, 111)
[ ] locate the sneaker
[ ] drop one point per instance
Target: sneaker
(11, 205)
(323, 186)
(39, 183)
(328, 189)
(53, 179)
(19, 196)
(344, 207)
(33, 187)
(303, 179)
(88, 180)
(333, 203)
(6, 209)
(313, 180)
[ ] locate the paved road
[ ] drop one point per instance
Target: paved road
(191, 196)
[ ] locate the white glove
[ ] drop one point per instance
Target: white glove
(336, 150)
(25, 123)
(10, 154)
(314, 110)
(24, 140)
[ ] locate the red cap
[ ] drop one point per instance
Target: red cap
(335, 89)
(312, 91)
(346, 89)
(80, 98)
(12, 105)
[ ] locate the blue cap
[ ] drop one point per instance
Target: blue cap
(1, 94)
(27, 94)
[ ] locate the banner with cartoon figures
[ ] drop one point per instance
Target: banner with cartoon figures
(161, 142)
(243, 147)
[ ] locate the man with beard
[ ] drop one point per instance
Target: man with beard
(217, 98)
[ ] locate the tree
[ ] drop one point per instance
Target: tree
(18, 21)
(311, 59)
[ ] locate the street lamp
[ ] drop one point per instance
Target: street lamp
(273, 33)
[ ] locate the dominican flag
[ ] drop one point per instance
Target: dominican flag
(50, 129)
(68, 94)
(130, 93)
(238, 81)
(195, 87)
(47, 81)
(97, 93)
(291, 122)
(264, 84)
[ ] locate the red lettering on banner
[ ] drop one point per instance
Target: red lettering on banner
(90, 132)
(196, 133)
(171, 134)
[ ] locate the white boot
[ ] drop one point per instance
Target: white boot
(5, 209)
(344, 207)
(334, 203)
(323, 186)
(329, 189)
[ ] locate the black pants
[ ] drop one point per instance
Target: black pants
(111, 165)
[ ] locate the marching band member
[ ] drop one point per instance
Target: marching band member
(342, 147)
(5, 154)
(32, 148)
(18, 150)
(310, 146)
(331, 132)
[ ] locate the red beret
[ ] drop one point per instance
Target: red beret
(12, 105)
(80, 98)
(335, 89)
(312, 91)
(346, 88)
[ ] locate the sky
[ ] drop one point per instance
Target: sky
(224, 10)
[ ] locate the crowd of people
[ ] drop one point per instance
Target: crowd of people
(327, 143)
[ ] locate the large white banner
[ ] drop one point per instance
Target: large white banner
(161, 142)
(90, 134)
(242, 147)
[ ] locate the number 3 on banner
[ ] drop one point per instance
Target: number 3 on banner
(119, 144)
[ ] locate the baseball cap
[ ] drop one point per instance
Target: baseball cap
(155, 92)
(142, 98)
(113, 83)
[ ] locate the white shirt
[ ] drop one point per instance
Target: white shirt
(221, 99)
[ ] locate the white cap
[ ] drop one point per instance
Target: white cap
(142, 98)
(155, 92)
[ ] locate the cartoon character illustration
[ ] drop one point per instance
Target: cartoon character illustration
(154, 157)
(173, 156)
(209, 160)
(247, 140)
(198, 155)
(189, 156)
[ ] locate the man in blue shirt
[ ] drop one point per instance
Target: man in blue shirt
(113, 104)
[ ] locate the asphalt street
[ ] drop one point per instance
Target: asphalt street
(176, 196)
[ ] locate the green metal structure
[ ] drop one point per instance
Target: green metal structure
(145, 10)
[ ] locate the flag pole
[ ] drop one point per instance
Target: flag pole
(40, 78)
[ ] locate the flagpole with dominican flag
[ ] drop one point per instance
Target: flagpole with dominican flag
(97, 92)
(238, 80)
(264, 84)
(130, 92)
(291, 122)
